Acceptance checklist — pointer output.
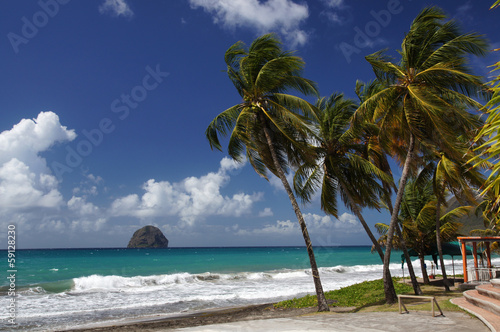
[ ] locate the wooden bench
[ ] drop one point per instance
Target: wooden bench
(431, 298)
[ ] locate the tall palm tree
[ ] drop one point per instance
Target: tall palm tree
(422, 91)
(376, 151)
(269, 125)
(340, 169)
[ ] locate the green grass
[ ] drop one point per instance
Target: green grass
(359, 295)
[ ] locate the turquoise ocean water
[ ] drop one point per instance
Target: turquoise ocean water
(64, 288)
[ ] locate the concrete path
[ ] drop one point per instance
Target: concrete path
(353, 322)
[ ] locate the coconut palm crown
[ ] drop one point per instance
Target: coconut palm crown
(262, 74)
(341, 169)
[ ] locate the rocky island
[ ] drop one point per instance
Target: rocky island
(148, 237)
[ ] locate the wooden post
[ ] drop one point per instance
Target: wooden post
(474, 253)
(464, 260)
(489, 259)
(453, 265)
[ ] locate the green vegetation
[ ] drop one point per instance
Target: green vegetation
(418, 220)
(359, 295)
(421, 110)
(368, 296)
(490, 150)
(341, 169)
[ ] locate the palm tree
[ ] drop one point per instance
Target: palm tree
(340, 169)
(417, 217)
(375, 151)
(269, 124)
(490, 150)
(422, 91)
(454, 177)
(491, 219)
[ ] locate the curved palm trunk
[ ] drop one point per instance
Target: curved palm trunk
(390, 293)
(322, 304)
(439, 245)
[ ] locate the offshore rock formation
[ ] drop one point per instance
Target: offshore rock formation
(148, 237)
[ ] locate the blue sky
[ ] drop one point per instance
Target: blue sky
(104, 105)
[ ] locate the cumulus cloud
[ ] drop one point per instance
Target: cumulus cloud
(25, 180)
(81, 207)
(283, 16)
(319, 224)
(52, 225)
(267, 212)
(191, 200)
(22, 189)
(116, 8)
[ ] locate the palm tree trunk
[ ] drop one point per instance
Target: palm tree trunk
(439, 245)
(322, 304)
(390, 293)
(411, 271)
(425, 276)
(358, 214)
(413, 277)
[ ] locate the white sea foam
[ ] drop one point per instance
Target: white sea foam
(106, 298)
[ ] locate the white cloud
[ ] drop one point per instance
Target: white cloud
(191, 199)
(22, 189)
(31, 136)
(276, 181)
(336, 11)
(88, 225)
(279, 228)
(282, 16)
(348, 219)
(88, 186)
(316, 224)
(116, 8)
(25, 180)
(81, 207)
(334, 3)
(346, 222)
(52, 225)
(334, 17)
(267, 212)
